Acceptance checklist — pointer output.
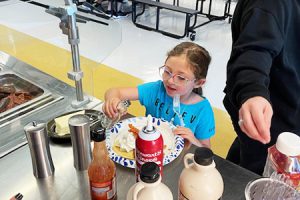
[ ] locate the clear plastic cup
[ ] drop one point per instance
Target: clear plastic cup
(270, 189)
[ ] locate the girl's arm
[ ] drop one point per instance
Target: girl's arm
(113, 97)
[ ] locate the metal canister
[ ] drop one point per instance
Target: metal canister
(81, 141)
(149, 147)
(38, 143)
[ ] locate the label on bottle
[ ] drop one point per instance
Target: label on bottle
(148, 151)
(103, 191)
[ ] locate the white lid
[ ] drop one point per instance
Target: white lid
(288, 144)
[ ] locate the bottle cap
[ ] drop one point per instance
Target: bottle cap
(288, 144)
(149, 172)
(98, 134)
(203, 156)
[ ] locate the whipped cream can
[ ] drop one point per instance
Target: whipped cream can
(149, 147)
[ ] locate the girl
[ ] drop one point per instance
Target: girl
(183, 74)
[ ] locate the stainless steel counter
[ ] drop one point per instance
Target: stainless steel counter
(55, 101)
(67, 183)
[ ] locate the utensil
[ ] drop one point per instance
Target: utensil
(176, 108)
(163, 126)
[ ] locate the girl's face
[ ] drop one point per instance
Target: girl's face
(179, 66)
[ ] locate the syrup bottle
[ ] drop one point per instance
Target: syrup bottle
(284, 158)
(200, 179)
(102, 170)
(150, 186)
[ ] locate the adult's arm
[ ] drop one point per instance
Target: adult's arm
(258, 43)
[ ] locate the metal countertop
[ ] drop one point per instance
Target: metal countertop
(68, 183)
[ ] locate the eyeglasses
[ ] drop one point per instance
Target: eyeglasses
(177, 78)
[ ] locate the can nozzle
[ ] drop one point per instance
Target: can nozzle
(149, 127)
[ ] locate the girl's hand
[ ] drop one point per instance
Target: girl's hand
(186, 133)
(110, 107)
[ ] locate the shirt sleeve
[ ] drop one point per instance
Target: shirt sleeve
(259, 42)
(206, 125)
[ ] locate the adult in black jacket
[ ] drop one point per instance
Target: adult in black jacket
(263, 77)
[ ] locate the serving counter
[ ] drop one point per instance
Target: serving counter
(67, 183)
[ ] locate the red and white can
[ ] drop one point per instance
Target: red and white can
(149, 147)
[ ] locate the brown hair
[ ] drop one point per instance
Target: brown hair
(197, 56)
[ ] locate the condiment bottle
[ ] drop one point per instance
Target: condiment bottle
(284, 158)
(150, 186)
(148, 147)
(200, 179)
(102, 170)
(122, 107)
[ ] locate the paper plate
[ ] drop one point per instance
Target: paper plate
(175, 142)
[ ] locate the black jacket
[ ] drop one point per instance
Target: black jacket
(265, 60)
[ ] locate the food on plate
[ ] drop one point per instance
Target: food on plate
(129, 155)
(132, 129)
(124, 142)
(62, 123)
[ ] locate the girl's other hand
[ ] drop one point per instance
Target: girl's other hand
(186, 133)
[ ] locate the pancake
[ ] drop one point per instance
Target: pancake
(124, 154)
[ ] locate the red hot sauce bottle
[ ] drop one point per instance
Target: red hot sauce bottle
(102, 170)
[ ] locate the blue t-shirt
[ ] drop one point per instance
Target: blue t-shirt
(198, 117)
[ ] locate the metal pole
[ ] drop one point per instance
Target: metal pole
(74, 40)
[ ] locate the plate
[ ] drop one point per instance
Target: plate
(93, 115)
(163, 126)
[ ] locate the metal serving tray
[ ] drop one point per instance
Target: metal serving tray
(40, 97)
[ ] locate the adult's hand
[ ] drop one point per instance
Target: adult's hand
(255, 119)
